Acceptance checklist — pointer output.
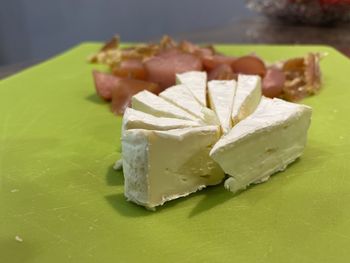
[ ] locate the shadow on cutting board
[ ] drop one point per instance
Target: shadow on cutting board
(114, 177)
(95, 99)
(215, 196)
(209, 198)
(125, 208)
(218, 195)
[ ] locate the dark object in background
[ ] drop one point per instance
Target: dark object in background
(314, 12)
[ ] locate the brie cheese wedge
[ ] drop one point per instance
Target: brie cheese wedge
(263, 143)
(221, 98)
(196, 81)
(159, 166)
(247, 97)
(134, 119)
(181, 96)
(147, 102)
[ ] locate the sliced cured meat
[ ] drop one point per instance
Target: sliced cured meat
(249, 65)
(162, 68)
(303, 77)
(125, 89)
(104, 84)
(313, 72)
(212, 61)
(112, 44)
(189, 47)
(273, 82)
(205, 51)
(130, 68)
(294, 64)
(221, 72)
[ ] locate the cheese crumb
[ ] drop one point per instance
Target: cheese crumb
(18, 239)
(118, 165)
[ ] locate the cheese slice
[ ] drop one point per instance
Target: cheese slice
(181, 96)
(263, 143)
(196, 81)
(247, 97)
(133, 119)
(147, 102)
(221, 98)
(159, 166)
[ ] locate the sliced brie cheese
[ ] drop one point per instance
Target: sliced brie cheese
(221, 98)
(247, 97)
(134, 119)
(147, 102)
(181, 96)
(263, 143)
(196, 81)
(160, 166)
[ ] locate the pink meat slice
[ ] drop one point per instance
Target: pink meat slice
(273, 82)
(250, 65)
(125, 89)
(162, 68)
(214, 60)
(221, 72)
(104, 84)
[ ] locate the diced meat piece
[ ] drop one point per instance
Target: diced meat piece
(313, 72)
(125, 89)
(212, 61)
(294, 64)
(104, 84)
(162, 68)
(101, 55)
(167, 43)
(111, 44)
(303, 77)
(294, 90)
(189, 47)
(205, 51)
(273, 82)
(249, 65)
(221, 72)
(130, 68)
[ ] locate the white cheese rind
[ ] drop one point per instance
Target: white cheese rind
(134, 119)
(247, 98)
(262, 144)
(160, 166)
(197, 83)
(221, 98)
(147, 102)
(181, 97)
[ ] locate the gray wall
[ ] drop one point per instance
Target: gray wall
(36, 29)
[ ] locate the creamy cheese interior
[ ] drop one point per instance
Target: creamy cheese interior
(134, 119)
(247, 98)
(147, 102)
(160, 166)
(181, 97)
(221, 98)
(197, 83)
(172, 145)
(262, 144)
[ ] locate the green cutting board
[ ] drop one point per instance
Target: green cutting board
(60, 195)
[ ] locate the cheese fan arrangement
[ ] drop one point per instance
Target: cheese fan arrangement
(200, 133)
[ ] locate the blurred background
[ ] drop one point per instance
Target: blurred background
(37, 29)
(31, 31)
